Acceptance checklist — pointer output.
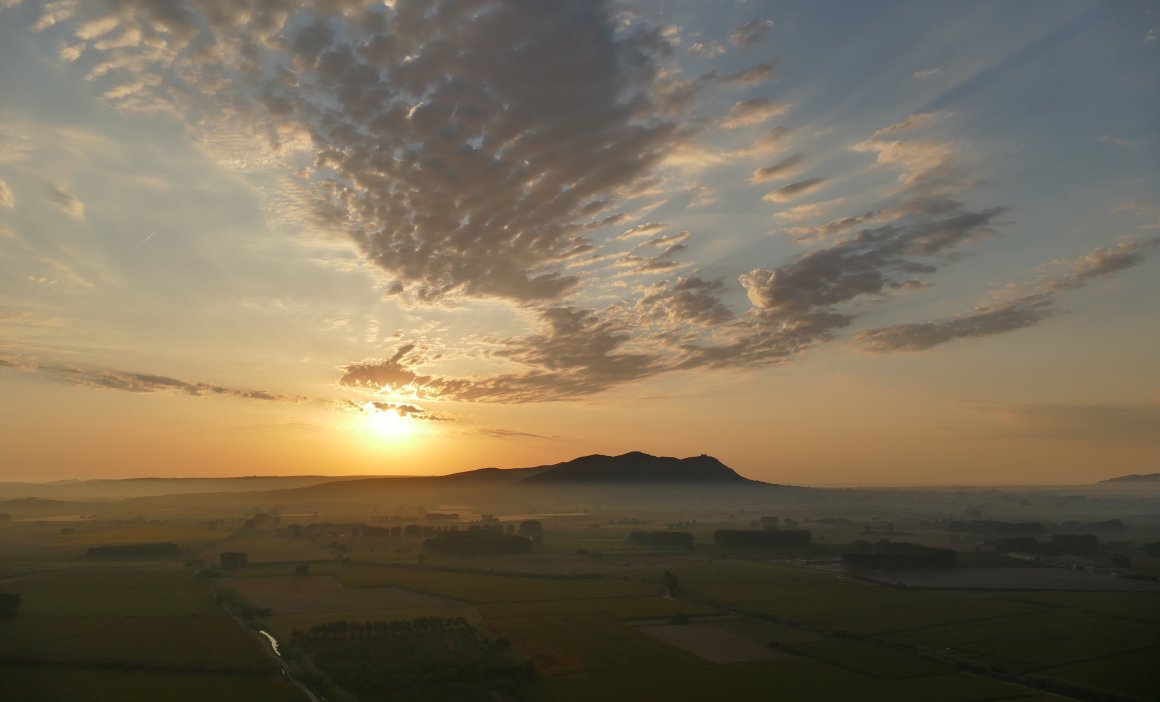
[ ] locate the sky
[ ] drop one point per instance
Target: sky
(842, 243)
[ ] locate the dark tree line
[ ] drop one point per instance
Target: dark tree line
(662, 539)
(481, 542)
(425, 658)
(155, 550)
(747, 538)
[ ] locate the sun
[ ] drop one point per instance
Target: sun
(387, 423)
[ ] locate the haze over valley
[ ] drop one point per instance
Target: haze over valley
(519, 350)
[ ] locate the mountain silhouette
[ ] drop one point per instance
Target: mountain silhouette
(637, 467)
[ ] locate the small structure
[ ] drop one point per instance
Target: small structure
(234, 559)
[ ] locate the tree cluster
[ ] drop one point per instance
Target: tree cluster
(479, 542)
(662, 539)
(425, 658)
(747, 538)
(153, 550)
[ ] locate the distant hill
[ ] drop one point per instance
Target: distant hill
(637, 467)
(104, 489)
(501, 474)
(1146, 478)
(611, 477)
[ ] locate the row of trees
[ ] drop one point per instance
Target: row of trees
(483, 542)
(662, 539)
(745, 538)
(152, 550)
(427, 658)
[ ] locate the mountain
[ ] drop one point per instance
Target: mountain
(1146, 478)
(638, 467)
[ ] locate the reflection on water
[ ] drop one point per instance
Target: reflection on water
(273, 641)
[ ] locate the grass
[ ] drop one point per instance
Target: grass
(790, 678)
(1064, 635)
(216, 643)
(269, 549)
(583, 643)
(142, 534)
(1133, 673)
(479, 588)
(113, 593)
(867, 659)
(1055, 637)
(144, 617)
(1142, 606)
(34, 683)
(609, 607)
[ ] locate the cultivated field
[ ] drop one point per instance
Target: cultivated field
(590, 610)
(121, 634)
(710, 641)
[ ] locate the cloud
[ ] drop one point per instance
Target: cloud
(986, 320)
(920, 120)
(822, 232)
(774, 135)
(403, 410)
(751, 76)
(686, 325)
(929, 160)
(809, 210)
(1025, 310)
(7, 199)
(926, 73)
(703, 196)
(706, 50)
(643, 229)
(510, 434)
(782, 168)
(67, 203)
(128, 381)
(461, 146)
(750, 33)
(1100, 261)
(797, 189)
(576, 354)
(753, 111)
(689, 301)
(488, 150)
(390, 374)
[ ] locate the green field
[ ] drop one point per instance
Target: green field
(123, 634)
(481, 588)
(790, 678)
(1078, 637)
(31, 683)
(146, 630)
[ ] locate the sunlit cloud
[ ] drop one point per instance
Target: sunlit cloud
(753, 111)
(783, 168)
(67, 202)
(129, 381)
(795, 190)
(1019, 312)
(750, 33)
(543, 164)
(7, 198)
